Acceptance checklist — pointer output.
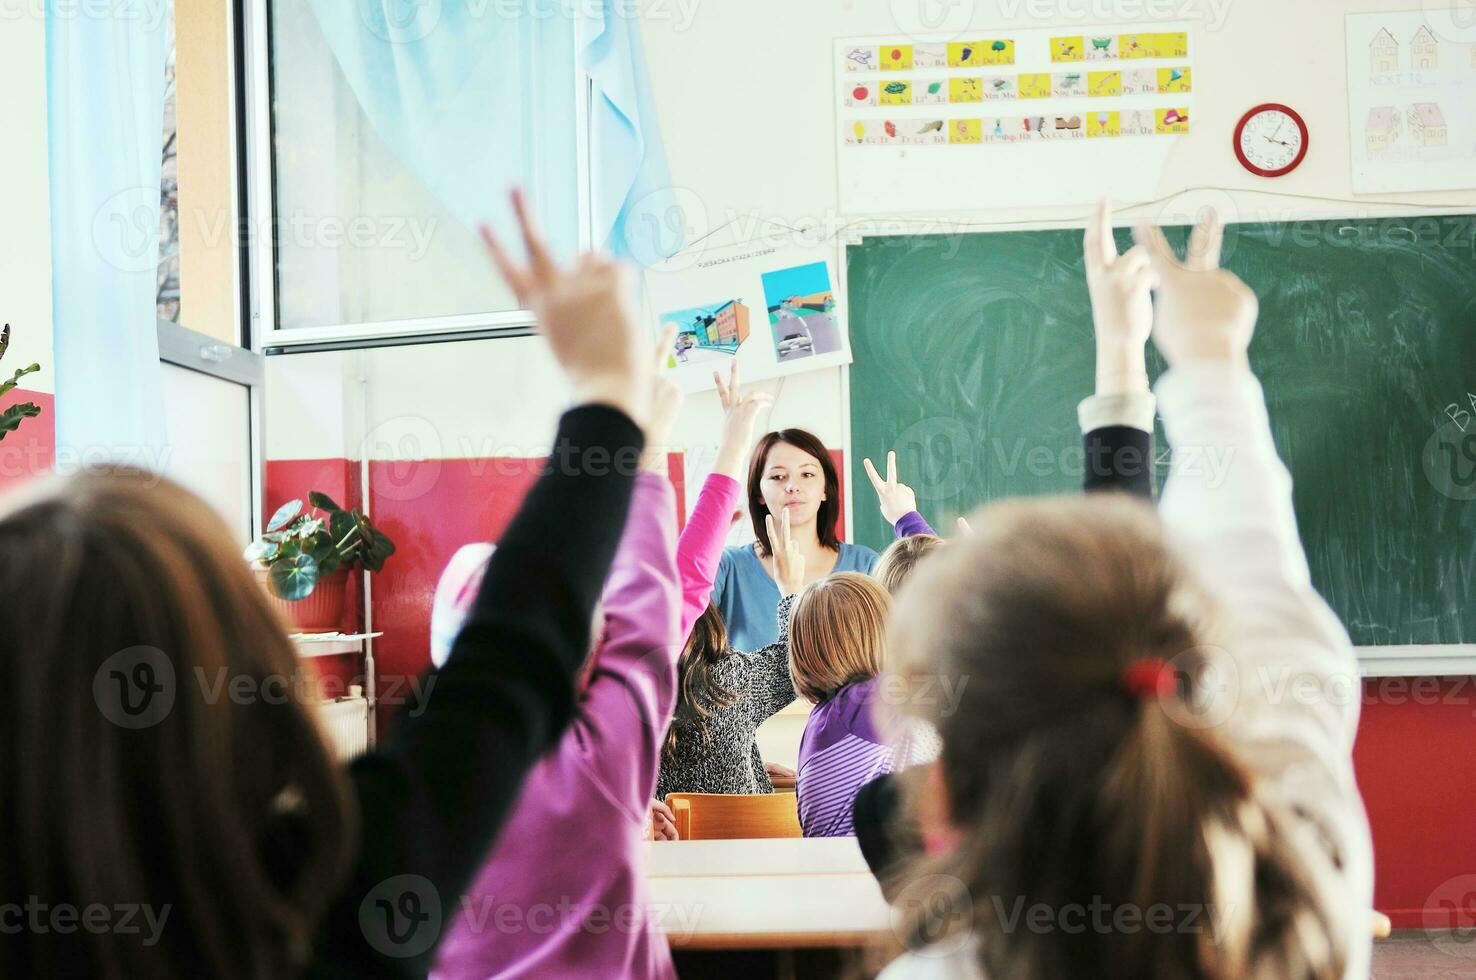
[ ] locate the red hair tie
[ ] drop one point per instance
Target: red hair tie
(1150, 678)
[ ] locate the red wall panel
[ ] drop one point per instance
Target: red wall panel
(29, 450)
(1414, 763)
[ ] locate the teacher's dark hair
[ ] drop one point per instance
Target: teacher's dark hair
(829, 514)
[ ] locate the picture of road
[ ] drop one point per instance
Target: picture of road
(801, 311)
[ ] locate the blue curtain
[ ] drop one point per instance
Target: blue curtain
(105, 126)
(476, 97)
(634, 207)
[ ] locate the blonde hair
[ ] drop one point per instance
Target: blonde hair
(837, 634)
(901, 557)
(1067, 789)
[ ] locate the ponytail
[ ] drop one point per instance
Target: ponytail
(1102, 831)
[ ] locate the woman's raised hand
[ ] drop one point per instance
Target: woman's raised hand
(897, 499)
(1201, 312)
(740, 417)
(789, 561)
(584, 311)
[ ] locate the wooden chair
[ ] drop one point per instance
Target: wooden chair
(723, 816)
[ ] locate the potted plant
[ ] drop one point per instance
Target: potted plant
(12, 417)
(304, 559)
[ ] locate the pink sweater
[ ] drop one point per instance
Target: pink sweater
(700, 550)
(563, 893)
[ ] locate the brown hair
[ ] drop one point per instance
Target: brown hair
(837, 634)
(896, 563)
(698, 690)
(1067, 790)
(826, 517)
(227, 817)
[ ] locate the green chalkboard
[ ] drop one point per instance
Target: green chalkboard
(972, 351)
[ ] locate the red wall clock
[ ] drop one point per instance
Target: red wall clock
(1271, 140)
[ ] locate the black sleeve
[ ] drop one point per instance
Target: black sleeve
(1118, 457)
(434, 795)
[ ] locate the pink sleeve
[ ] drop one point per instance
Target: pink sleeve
(700, 548)
(632, 691)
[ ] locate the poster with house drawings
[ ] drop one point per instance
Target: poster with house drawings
(1010, 117)
(1412, 103)
(773, 307)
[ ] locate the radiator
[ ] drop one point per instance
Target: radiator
(346, 723)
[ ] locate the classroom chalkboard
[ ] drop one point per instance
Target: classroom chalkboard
(972, 351)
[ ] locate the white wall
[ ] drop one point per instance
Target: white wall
(25, 217)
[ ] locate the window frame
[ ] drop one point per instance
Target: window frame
(240, 363)
(255, 106)
(214, 358)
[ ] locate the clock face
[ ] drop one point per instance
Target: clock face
(1271, 141)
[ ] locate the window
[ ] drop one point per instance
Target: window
(366, 237)
(211, 381)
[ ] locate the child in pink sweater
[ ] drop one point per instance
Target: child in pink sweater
(563, 893)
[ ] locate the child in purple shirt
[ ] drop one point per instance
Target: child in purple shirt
(836, 650)
(563, 893)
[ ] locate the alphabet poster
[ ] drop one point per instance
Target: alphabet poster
(1017, 117)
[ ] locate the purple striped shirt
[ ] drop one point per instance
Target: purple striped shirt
(842, 750)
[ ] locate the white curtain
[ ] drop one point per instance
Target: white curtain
(476, 97)
(105, 123)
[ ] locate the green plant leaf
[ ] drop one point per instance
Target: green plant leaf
(289, 547)
(380, 548)
(261, 551)
(323, 502)
(284, 515)
(9, 386)
(310, 528)
(4, 340)
(295, 578)
(341, 524)
(11, 418)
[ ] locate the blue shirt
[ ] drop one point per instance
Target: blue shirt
(749, 600)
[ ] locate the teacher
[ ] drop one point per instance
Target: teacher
(790, 471)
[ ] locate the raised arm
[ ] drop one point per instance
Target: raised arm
(771, 687)
(897, 500)
(1288, 684)
(434, 796)
(1117, 420)
(700, 547)
(632, 690)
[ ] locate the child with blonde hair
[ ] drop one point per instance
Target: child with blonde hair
(1118, 793)
(837, 650)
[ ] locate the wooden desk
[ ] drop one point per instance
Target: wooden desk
(789, 893)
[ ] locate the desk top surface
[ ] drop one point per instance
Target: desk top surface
(783, 893)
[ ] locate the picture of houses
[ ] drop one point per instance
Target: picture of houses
(1424, 50)
(1383, 129)
(705, 332)
(1383, 52)
(1427, 124)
